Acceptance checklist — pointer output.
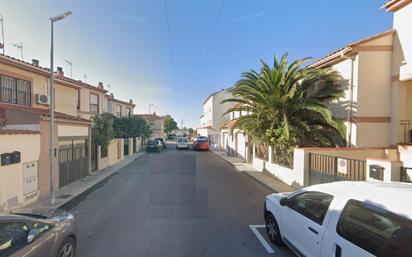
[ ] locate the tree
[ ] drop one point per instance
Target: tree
(287, 106)
(102, 131)
(131, 126)
(169, 124)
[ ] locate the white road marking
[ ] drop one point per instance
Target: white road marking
(265, 244)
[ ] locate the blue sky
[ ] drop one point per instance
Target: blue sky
(125, 43)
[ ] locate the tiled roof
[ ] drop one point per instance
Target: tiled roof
(149, 116)
(18, 132)
(44, 71)
(110, 97)
(41, 112)
(347, 49)
(228, 124)
(394, 5)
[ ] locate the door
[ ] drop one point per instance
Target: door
(72, 161)
(241, 145)
(126, 146)
(30, 178)
(226, 142)
(302, 222)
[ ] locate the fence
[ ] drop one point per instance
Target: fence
(326, 168)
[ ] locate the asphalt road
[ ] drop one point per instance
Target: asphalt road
(173, 204)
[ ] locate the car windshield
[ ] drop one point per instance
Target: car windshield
(159, 139)
(153, 142)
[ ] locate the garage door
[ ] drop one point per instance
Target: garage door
(241, 145)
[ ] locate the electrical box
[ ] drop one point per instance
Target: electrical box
(376, 172)
(6, 159)
(16, 156)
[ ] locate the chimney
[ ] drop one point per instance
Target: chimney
(100, 85)
(60, 71)
(131, 101)
(154, 113)
(35, 62)
(111, 94)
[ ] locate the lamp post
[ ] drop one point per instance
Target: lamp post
(52, 103)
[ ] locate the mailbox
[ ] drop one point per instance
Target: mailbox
(6, 159)
(16, 155)
(376, 172)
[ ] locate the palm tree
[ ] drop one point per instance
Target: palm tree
(287, 106)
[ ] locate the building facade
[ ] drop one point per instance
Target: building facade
(214, 116)
(155, 123)
(24, 111)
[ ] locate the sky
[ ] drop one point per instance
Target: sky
(174, 53)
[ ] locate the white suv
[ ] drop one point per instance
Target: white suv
(182, 143)
(339, 219)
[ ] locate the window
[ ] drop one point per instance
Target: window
(128, 111)
(13, 236)
(78, 99)
(375, 230)
(15, 91)
(152, 123)
(94, 103)
(312, 205)
(110, 107)
(118, 110)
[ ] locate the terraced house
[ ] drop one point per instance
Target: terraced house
(25, 129)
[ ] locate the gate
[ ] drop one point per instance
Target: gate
(126, 146)
(406, 175)
(326, 168)
(134, 145)
(72, 162)
(93, 156)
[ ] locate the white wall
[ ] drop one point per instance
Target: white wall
(402, 23)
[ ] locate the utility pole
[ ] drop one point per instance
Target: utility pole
(19, 46)
(150, 105)
(2, 32)
(71, 68)
(181, 124)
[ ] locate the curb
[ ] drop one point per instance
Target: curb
(71, 202)
(247, 174)
(260, 182)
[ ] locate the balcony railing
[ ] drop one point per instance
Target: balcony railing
(406, 126)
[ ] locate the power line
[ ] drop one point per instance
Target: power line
(210, 46)
(170, 47)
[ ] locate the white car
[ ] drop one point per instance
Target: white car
(182, 143)
(343, 219)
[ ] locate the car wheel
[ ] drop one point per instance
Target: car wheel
(272, 230)
(68, 248)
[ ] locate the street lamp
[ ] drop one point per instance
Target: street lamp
(52, 103)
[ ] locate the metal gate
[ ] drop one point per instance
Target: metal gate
(72, 162)
(30, 178)
(326, 168)
(93, 156)
(406, 175)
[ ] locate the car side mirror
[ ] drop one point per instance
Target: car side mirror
(33, 233)
(284, 201)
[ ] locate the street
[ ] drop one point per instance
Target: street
(174, 203)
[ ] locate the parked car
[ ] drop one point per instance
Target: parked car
(37, 233)
(154, 146)
(182, 143)
(342, 219)
(200, 144)
(161, 139)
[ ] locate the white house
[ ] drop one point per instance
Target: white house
(214, 116)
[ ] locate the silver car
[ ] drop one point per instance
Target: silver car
(37, 233)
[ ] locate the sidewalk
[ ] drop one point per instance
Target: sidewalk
(269, 181)
(77, 188)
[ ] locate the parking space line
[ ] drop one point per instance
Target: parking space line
(265, 244)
